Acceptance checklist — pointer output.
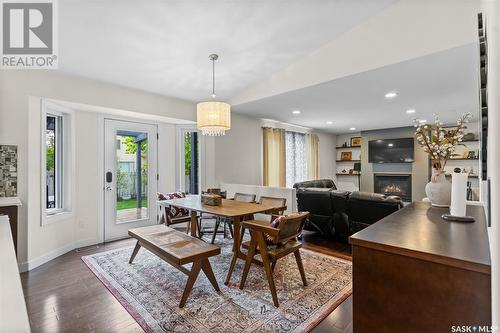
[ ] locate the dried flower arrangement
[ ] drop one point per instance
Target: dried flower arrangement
(439, 142)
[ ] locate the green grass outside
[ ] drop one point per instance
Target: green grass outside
(130, 203)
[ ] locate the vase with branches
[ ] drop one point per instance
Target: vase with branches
(440, 144)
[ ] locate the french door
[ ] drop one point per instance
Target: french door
(130, 176)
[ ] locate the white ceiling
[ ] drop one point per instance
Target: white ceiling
(444, 83)
(163, 46)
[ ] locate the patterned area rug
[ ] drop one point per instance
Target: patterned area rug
(150, 290)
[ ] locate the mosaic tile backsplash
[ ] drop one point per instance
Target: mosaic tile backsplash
(8, 171)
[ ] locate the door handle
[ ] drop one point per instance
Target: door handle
(108, 188)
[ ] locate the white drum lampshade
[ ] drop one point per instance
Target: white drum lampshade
(213, 118)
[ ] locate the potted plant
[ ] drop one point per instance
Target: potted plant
(440, 144)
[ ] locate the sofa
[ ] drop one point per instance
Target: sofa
(341, 213)
(320, 184)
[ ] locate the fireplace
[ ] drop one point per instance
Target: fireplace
(393, 184)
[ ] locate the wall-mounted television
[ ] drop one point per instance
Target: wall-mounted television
(391, 151)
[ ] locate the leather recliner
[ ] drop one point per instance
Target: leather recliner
(316, 184)
(342, 213)
(365, 208)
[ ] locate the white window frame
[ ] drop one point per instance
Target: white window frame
(180, 181)
(64, 162)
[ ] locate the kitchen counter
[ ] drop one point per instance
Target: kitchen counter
(13, 313)
(10, 201)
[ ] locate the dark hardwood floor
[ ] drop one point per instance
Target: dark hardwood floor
(63, 295)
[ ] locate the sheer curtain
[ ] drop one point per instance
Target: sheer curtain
(289, 157)
(274, 157)
(296, 160)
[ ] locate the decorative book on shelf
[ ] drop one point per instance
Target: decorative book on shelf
(348, 147)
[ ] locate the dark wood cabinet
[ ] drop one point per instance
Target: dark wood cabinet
(11, 212)
(415, 272)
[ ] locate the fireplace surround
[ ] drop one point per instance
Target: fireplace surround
(393, 184)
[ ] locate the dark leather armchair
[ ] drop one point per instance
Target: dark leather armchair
(341, 213)
(365, 208)
(318, 204)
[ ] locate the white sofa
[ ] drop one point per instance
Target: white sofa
(279, 192)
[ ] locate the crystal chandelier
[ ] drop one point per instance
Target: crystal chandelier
(213, 118)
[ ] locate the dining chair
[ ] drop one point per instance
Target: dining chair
(274, 202)
(208, 216)
(174, 215)
(280, 203)
(242, 197)
(273, 243)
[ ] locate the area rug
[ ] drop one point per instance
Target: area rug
(150, 290)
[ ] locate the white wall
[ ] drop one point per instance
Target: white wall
(327, 144)
(20, 125)
(492, 10)
(238, 154)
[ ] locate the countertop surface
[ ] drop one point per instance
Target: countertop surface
(13, 313)
(419, 231)
(10, 201)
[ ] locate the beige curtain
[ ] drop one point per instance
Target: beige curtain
(312, 153)
(274, 162)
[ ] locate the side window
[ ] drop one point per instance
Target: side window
(54, 163)
(191, 153)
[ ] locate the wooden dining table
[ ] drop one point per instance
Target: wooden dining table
(234, 210)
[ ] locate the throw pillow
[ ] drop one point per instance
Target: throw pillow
(171, 211)
(277, 223)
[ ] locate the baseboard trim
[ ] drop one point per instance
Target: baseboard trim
(86, 242)
(34, 263)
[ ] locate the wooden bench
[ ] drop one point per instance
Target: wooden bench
(177, 249)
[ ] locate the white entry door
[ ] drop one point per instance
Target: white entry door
(130, 176)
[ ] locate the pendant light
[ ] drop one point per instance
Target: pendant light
(213, 118)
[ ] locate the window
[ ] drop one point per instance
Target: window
(191, 162)
(57, 163)
(126, 166)
(296, 158)
(191, 159)
(53, 163)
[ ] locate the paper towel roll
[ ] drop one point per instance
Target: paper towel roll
(458, 194)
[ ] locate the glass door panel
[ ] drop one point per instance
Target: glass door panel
(131, 176)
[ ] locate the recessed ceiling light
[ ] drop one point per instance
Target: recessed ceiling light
(422, 121)
(410, 111)
(296, 111)
(329, 122)
(352, 128)
(390, 144)
(391, 95)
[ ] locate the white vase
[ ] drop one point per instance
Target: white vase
(438, 190)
